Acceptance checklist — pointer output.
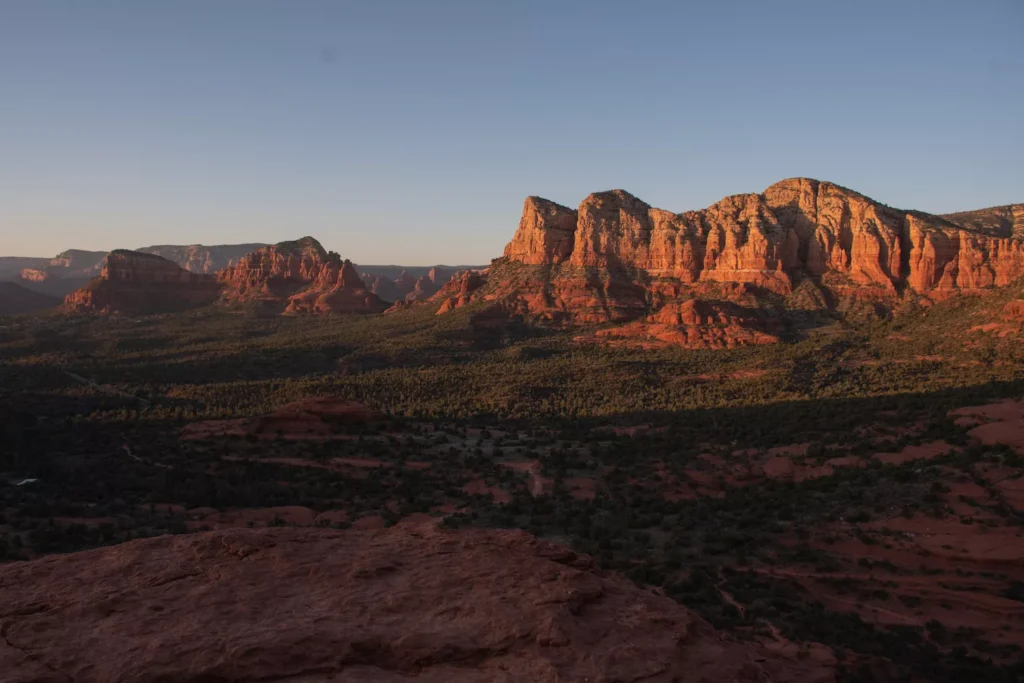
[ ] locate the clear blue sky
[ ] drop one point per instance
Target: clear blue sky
(410, 132)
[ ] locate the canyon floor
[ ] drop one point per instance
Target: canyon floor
(852, 497)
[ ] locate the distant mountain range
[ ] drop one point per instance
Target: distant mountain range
(15, 300)
(742, 271)
(73, 269)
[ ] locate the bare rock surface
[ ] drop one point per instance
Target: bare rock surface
(409, 603)
(133, 282)
(200, 258)
(301, 277)
(616, 259)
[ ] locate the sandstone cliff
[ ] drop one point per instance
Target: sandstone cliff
(72, 269)
(302, 277)
(76, 263)
(11, 266)
(133, 282)
(407, 287)
(203, 259)
(617, 259)
(408, 603)
(62, 274)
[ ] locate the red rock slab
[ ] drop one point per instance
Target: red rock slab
(390, 606)
(1007, 410)
(1012, 490)
(923, 452)
(1010, 433)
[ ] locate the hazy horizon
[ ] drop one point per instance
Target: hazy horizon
(401, 133)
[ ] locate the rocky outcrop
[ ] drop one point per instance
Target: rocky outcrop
(11, 266)
(72, 269)
(300, 276)
(996, 221)
(796, 228)
(459, 290)
(62, 274)
(430, 284)
(198, 258)
(132, 282)
(15, 300)
(407, 287)
(383, 286)
(546, 233)
(337, 289)
(76, 263)
(412, 602)
(617, 259)
(696, 324)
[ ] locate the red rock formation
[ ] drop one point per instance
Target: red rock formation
(64, 273)
(337, 289)
(33, 274)
(430, 284)
(1013, 310)
(72, 269)
(696, 324)
(10, 266)
(132, 282)
(406, 287)
(382, 286)
(997, 221)
(619, 259)
(546, 233)
(203, 259)
(390, 605)
(459, 290)
(301, 276)
(76, 263)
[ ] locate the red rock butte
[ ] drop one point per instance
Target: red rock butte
(133, 282)
(303, 276)
(294, 277)
(413, 602)
(617, 259)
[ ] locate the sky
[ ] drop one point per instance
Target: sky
(410, 132)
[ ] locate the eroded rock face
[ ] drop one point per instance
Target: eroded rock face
(459, 290)
(617, 259)
(133, 282)
(302, 277)
(406, 287)
(383, 286)
(337, 290)
(545, 235)
(408, 603)
(795, 228)
(696, 324)
(996, 221)
(76, 263)
(198, 258)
